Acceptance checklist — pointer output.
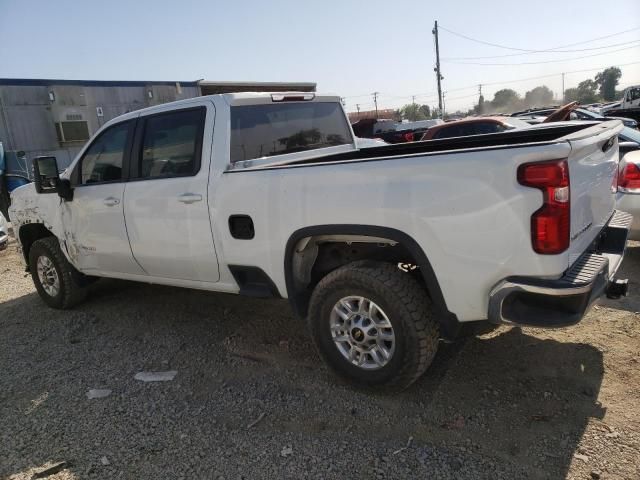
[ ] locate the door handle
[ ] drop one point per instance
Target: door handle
(190, 198)
(111, 201)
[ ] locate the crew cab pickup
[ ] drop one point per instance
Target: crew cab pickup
(383, 250)
(629, 105)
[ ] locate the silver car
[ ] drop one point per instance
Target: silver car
(4, 233)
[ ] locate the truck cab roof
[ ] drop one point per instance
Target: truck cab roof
(232, 99)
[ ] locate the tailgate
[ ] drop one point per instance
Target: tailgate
(593, 170)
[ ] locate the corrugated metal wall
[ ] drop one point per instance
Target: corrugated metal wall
(28, 115)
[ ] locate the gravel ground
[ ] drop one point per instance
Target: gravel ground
(251, 398)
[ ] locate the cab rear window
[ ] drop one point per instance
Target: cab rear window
(276, 129)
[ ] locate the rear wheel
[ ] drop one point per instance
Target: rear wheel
(373, 325)
(58, 283)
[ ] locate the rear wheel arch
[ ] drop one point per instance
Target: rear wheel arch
(299, 295)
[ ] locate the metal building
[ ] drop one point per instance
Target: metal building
(56, 117)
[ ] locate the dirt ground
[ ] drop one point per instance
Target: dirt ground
(251, 398)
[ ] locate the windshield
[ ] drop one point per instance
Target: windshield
(279, 128)
(630, 135)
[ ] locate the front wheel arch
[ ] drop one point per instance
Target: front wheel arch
(28, 234)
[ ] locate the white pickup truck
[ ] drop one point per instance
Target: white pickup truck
(383, 250)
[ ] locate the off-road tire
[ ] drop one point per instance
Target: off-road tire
(72, 283)
(403, 300)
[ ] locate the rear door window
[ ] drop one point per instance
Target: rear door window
(481, 128)
(279, 128)
(172, 144)
(448, 132)
(464, 130)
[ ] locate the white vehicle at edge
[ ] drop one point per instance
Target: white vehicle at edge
(4, 232)
(629, 179)
(269, 195)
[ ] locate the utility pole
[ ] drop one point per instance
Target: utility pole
(439, 76)
(375, 101)
(358, 108)
(563, 87)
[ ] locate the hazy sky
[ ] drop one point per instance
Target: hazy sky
(351, 48)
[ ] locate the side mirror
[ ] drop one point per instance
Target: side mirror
(47, 179)
(45, 170)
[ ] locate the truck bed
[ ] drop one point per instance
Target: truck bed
(449, 193)
(508, 139)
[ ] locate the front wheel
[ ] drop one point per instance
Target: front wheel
(58, 283)
(373, 324)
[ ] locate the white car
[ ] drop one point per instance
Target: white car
(382, 251)
(629, 178)
(4, 232)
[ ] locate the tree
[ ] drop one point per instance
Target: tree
(505, 98)
(413, 112)
(426, 111)
(571, 95)
(607, 81)
(584, 93)
(539, 96)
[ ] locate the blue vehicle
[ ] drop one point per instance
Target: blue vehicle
(9, 181)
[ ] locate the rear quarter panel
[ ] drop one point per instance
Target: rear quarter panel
(465, 209)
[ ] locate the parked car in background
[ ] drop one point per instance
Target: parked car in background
(534, 116)
(538, 111)
(584, 114)
(629, 105)
(4, 232)
(629, 190)
(628, 141)
(391, 131)
(473, 126)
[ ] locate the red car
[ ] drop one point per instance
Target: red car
(473, 126)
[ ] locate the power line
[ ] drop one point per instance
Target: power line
(551, 50)
(439, 76)
(488, 84)
(534, 50)
(545, 61)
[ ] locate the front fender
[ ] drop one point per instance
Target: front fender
(29, 207)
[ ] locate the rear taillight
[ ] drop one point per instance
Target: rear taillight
(629, 178)
(550, 224)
